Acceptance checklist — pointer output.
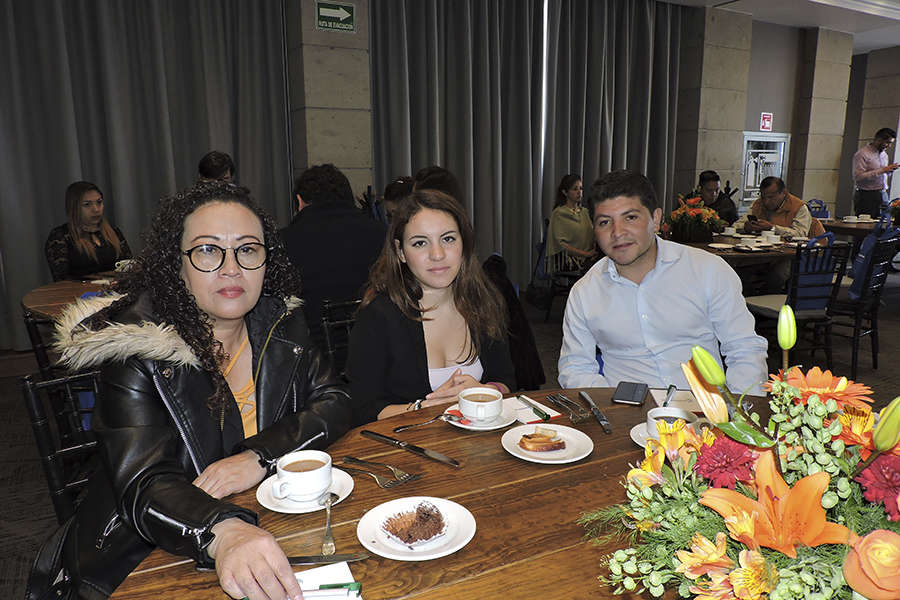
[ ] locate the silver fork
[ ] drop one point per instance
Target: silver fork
(576, 413)
(383, 482)
(440, 417)
(400, 474)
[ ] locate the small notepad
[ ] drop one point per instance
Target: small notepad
(525, 414)
(683, 399)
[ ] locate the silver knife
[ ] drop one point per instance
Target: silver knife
(432, 454)
(601, 418)
(319, 559)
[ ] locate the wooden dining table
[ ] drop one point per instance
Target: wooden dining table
(737, 258)
(527, 543)
(857, 231)
(48, 301)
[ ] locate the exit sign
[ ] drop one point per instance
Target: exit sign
(336, 16)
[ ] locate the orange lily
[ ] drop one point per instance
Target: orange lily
(742, 527)
(717, 588)
(650, 471)
(671, 436)
(825, 386)
(754, 578)
(704, 556)
(786, 516)
(856, 428)
(709, 399)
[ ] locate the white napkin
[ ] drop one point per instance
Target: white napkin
(525, 414)
(311, 579)
(683, 399)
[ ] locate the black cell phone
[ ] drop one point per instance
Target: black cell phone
(752, 218)
(628, 392)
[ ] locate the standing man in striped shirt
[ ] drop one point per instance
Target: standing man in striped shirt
(870, 169)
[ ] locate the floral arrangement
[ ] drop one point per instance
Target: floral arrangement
(692, 218)
(895, 211)
(806, 505)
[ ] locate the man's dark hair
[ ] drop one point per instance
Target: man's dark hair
(323, 184)
(438, 178)
(400, 187)
(707, 176)
(623, 183)
(885, 133)
(768, 181)
(216, 165)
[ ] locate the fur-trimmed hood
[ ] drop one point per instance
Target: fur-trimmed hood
(81, 347)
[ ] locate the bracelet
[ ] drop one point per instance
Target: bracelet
(494, 385)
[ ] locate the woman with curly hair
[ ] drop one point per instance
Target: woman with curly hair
(207, 377)
(570, 236)
(430, 323)
(87, 243)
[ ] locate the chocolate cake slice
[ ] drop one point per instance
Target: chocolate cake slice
(417, 526)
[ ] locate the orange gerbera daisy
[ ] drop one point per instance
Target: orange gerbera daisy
(825, 386)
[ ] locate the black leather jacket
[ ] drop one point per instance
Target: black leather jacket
(157, 433)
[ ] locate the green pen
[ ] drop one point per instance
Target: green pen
(353, 586)
(543, 416)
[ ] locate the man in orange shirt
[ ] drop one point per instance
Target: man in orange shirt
(779, 210)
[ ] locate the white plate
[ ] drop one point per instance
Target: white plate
(639, 435)
(721, 246)
(745, 235)
(341, 484)
(578, 445)
(507, 417)
(460, 529)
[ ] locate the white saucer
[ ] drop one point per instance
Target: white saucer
(460, 529)
(507, 417)
(341, 484)
(578, 444)
(639, 435)
(721, 246)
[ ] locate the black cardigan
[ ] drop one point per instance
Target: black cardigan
(387, 362)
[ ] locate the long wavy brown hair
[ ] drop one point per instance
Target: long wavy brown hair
(80, 237)
(158, 274)
(475, 297)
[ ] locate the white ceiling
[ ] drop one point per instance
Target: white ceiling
(874, 23)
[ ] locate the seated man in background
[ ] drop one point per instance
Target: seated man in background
(709, 186)
(215, 165)
(649, 300)
(779, 210)
(331, 242)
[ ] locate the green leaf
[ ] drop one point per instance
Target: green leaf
(745, 434)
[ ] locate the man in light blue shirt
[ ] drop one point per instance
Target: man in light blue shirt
(649, 300)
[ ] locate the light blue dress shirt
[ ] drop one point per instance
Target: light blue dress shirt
(646, 331)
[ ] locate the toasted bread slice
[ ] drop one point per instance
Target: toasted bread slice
(542, 440)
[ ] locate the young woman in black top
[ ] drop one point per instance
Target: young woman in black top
(431, 324)
(88, 243)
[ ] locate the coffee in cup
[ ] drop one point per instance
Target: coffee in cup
(669, 415)
(480, 404)
(302, 476)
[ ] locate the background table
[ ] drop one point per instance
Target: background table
(743, 259)
(857, 231)
(527, 543)
(48, 301)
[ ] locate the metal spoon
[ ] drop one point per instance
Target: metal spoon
(328, 539)
(440, 417)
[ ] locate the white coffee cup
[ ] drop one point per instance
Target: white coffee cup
(302, 476)
(729, 231)
(851, 219)
(773, 238)
(865, 217)
(480, 404)
(668, 414)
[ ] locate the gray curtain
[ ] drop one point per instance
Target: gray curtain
(612, 80)
(129, 95)
(458, 83)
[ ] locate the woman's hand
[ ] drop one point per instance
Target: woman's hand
(231, 475)
(451, 388)
(250, 563)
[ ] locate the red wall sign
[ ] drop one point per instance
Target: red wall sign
(765, 121)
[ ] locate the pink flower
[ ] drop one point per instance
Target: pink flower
(725, 463)
(881, 481)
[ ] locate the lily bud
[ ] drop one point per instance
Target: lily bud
(787, 328)
(708, 366)
(887, 433)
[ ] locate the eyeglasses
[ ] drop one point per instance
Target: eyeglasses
(209, 257)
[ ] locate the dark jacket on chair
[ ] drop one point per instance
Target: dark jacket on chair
(388, 363)
(157, 434)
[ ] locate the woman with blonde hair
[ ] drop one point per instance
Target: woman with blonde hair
(431, 323)
(88, 243)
